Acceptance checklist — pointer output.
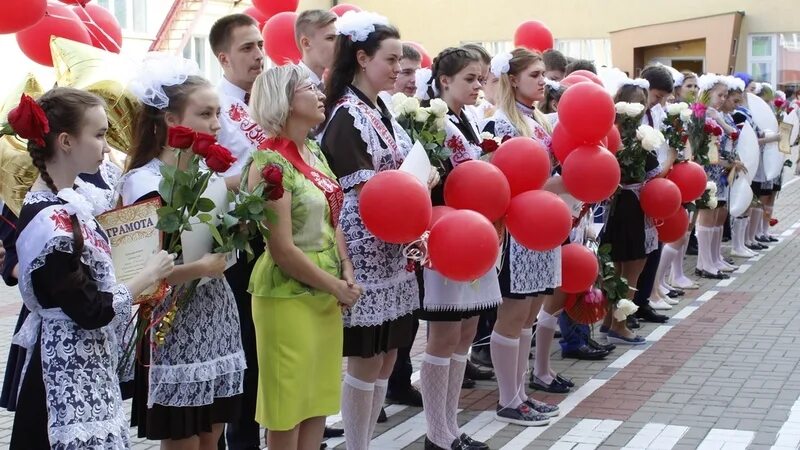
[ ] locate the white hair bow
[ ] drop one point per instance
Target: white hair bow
(359, 24)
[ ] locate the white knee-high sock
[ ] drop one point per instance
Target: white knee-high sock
(378, 397)
(753, 225)
(765, 221)
(505, 353)
(546, 325)
(524, 361)
(704, 249)
(434, 376)
(716, 249)
(356, 412)
(664, 265)
(738, 231)
(678, 276)
(457, 365)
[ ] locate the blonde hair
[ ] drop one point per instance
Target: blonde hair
(272, 95)
(521, 59)
(309, 21)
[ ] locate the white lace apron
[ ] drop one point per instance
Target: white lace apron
(442, 294)
(531, 271)
(390, 291)
(79, 366)
(202, 357)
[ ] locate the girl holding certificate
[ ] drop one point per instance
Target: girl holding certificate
(69, 396)
(191, 384)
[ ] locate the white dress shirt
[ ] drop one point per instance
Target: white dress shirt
(239, 133)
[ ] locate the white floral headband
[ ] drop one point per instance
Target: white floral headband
(158, 70)
(552, 84)
(359, 24)
(501, 63)
(422, 78)
(677, 77)
(638, 82)
(708, 81)
(733, 83)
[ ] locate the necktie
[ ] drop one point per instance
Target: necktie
(247, 98)
(649, 118)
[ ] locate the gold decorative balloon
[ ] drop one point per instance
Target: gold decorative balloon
(104, 74)
(17, 173)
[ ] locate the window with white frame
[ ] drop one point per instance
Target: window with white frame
(762, 57)
(199, 50)
(131, 14)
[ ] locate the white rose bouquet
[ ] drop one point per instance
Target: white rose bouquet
(423, 124)
(709, 198)
(637, 141)
(674, 131)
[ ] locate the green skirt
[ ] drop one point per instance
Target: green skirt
(299, 346)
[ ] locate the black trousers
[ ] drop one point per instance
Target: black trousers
(647, 278)
(245, 433)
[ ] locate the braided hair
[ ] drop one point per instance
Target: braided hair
(65, 109)
(448, 63)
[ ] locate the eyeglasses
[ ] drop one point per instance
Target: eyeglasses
(309, 87)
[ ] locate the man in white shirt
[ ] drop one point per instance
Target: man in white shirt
(238, 46)
(315, 33)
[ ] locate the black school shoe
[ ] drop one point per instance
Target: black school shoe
(476, 373)
(409, 396)
(332, 433)
(555, 386)
(648, 314)
(585, 353)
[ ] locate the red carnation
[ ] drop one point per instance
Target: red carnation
(218, 158)
(489, 145)
(180, 137)
(779, 102)
(735, 135)
(708, 128)
(273, 178)
(29, 121)
(717, 131)
(202, 144)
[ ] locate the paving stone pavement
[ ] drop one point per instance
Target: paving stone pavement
(719, 375)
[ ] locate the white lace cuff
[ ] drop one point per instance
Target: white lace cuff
(356, 178)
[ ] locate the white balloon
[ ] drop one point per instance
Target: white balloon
(762, 114)
(740, 196)
(748, 150)
(773, 161)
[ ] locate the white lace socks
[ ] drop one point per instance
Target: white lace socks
(546, 324)
(434, 377)
(356, 412)
(378, 397)
(705, 237)
(505, 353)
(458, 364)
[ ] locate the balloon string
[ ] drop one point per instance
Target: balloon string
(418, 250)
(91, 21)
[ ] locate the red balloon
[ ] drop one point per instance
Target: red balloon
(463, 246)
(271, 8)
(589, 75)
(257, 15)
(342, 8)
(690, 178)
(579, 268)
(587, 111)
(395, 207)
(19, 15)
(614, 140)
(75, 2)
(572, 80)
(59, 21)
(103, 28)
(479, 186)
(563, 143)
(673, 228)
(525, 163)
(533, 35)
(279, 42)
(660, 198)
(437, 213)
(539, 220)
(426, 57)
(591, 173)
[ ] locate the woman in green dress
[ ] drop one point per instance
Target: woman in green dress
(302, 282)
